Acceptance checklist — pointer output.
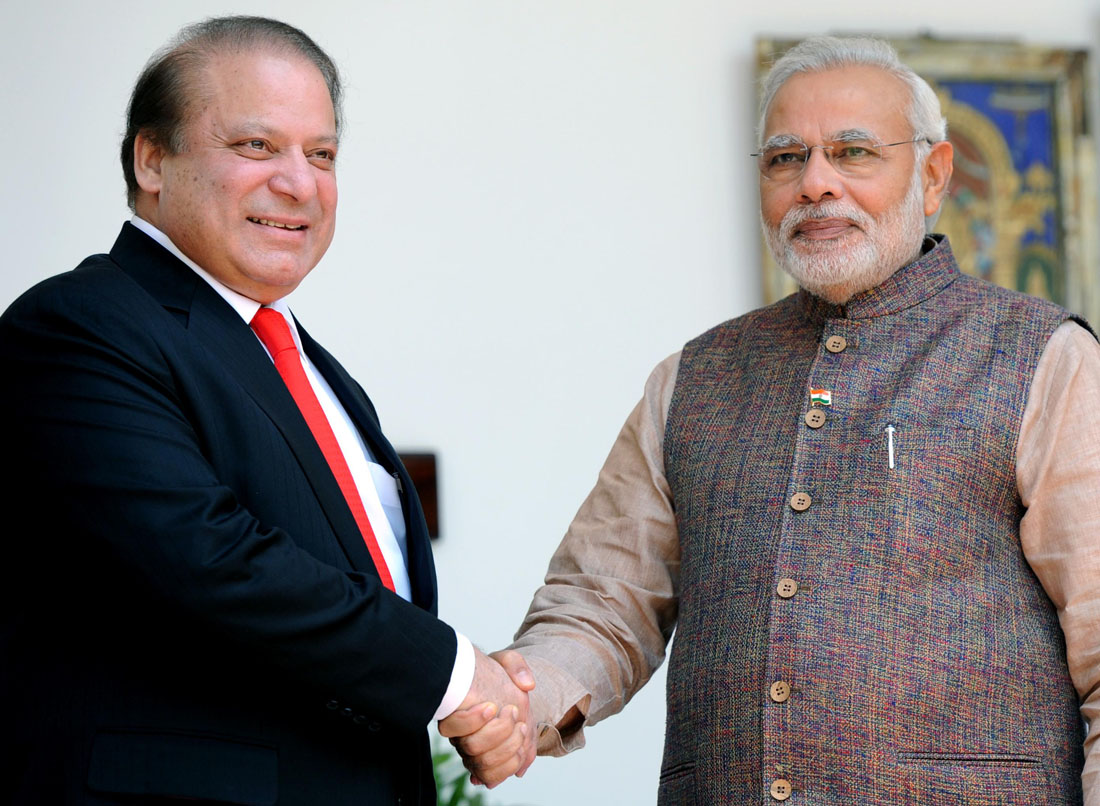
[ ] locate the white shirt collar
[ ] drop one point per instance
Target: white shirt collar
(389, 526)
(244, 306)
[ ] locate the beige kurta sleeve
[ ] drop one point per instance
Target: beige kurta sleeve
(597, 628)
(1058, 472)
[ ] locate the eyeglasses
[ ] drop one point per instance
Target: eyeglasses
(856, 158)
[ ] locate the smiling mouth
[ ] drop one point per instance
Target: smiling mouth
(268, 223)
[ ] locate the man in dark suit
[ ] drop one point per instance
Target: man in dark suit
(217, 578)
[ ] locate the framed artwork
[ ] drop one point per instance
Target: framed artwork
(1022, 205)
(421, 468)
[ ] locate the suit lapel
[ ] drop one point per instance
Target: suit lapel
(359, 408)
(226, 337)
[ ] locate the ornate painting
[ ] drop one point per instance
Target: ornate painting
(1021, 209)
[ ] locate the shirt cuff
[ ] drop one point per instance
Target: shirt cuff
(462, 677)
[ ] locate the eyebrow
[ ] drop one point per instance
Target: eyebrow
(851, 135)
(843, 136)
(250, 127)
(781, 141)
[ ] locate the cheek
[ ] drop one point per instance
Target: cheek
(877, 199)
(875, 204)
(773, 206)
(326, 189)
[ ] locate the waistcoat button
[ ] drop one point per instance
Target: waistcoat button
(800, 502)
(815, 418)
(780, 691)
(780, 789)
(836, 344)
(786, 588)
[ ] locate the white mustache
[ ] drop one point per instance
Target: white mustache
(797, 216)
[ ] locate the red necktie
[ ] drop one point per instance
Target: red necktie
(274, 332)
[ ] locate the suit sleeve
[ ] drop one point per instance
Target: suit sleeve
(116, 477)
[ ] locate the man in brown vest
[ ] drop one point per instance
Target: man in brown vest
(870, 511)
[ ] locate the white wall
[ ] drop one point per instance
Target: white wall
(540, 201)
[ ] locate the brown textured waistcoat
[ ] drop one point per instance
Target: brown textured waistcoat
(918, 660)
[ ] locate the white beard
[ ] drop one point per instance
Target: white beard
(837, 270)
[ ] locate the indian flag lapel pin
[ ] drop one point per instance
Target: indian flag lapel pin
(821, 397)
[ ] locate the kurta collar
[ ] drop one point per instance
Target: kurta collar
(910, 285)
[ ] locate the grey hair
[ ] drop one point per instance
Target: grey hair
(170, 86)
(820, 53)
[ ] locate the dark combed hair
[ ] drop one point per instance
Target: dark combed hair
(169, 84)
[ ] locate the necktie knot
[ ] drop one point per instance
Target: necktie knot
(273, 331)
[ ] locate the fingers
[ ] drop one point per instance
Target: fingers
(504, 758)
(524, 679)
(495, 742)
(493, 734)
(500, 749)
(467, 721)
(516, 667)
(527, 754)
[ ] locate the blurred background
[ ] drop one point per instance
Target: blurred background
(539, 202)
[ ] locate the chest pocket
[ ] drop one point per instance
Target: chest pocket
(917, 498)
(938, 498)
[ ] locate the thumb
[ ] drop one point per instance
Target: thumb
(516, 667)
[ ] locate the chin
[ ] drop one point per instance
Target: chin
(834, 271)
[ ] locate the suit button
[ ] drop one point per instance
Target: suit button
(786, 588)
(815, 418)
(836, 344)
(332, 705)
(374, 727)
(800, 502)
(346, 712)
(780, 691)
(780, 789)
(359, 719)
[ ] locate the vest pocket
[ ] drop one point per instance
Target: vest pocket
(932, 759)
(677, 785)
(946, 452)
(934, 501)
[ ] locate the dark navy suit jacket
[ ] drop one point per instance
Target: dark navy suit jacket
(189, 610)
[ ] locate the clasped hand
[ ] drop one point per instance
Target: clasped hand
(493, 729)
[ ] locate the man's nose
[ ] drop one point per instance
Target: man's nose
(294, 177)
(819, 179)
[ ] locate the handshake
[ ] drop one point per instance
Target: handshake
(493, 729)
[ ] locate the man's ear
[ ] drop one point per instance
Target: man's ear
(936, 175)
(148, 157)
